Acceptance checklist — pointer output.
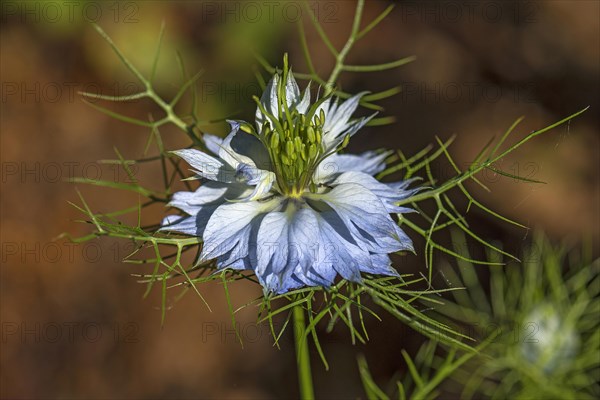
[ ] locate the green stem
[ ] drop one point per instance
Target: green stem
(341, 57)
(302, 355)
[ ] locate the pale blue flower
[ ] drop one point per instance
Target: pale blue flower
(555, 341)
(279, 200)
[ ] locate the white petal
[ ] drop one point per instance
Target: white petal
(200, 205)
(368, 162)
(292, 91)
(338, 117)
(262, 180)
(325, 106)
(184, 200)
(304, 104)
(193, 225)
(209, 193)
(207, 166)
(178, 223)
(269, 101)
(334, 138)
(213, 143)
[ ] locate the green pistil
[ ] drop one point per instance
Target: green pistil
(295, 150)
(293, 140)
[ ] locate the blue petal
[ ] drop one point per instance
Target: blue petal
(345, 257)
(364, 215)
(239, 264)
(380, 265)
(308, 250)
(230, 226)
(273, 251)
(406, 242)
(200, 205)
(389, 194)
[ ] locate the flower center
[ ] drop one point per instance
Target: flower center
(295, 149)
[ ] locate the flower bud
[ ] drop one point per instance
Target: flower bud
(274, 141)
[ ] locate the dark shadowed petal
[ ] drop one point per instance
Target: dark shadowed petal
(247, 149)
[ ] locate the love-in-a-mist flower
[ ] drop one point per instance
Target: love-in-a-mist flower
(279, 200)
(554, 342)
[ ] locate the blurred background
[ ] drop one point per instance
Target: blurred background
(74, 321)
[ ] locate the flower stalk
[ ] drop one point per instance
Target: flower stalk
(302, 355)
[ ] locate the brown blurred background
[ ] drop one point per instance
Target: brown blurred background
(74, 323)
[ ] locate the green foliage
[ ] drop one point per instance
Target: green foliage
(426, 372)
(330, 83)
(446, 214)
(545, 310)
(189, 124)
(541, 322)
